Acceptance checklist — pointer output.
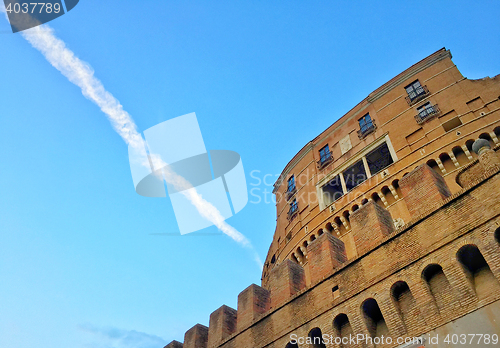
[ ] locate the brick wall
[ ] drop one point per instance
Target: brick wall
(471, 217)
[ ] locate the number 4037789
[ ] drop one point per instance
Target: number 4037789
(34, 7)
(467, 339)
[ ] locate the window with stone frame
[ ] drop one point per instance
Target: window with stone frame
(415, 90)
(291, 184)
(366, 124)
(324, 154)
(355, 175)
(379, 159)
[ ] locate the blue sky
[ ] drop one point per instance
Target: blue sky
(80, 264)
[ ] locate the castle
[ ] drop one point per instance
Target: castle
(388, 226)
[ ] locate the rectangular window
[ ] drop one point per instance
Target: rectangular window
(379, 159)
(414, 90)
(324, 154)
(366, 126)
(293, 207)
(355, 175)
(451, 124)
(333, 190)
(426, 111)
(291, 184)
(365, 123)
(336, 292)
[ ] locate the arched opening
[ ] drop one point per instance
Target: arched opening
(305, 244)
(497, 132)
(294, 258)
(374, 319)
(346, 215)
(320, 232)
(438, 285)
(477, 270)
(355, 207)
(316, 338)
(469, 143)
(433, 164)
(487, 137)
(329, 227)
(364, 201)
(395, 184)
(340, 225)
(405, 174)
(460, 155)
(497, 235)
(388, 195)
(313, 237)
(342, 327)
(292, 345)
(404, 302)
(300, 255)
(448, 164)
(376, 199)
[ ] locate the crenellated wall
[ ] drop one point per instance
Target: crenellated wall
(411, 248)
(440, 266)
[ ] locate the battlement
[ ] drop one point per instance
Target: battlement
(442, 264)
(388, 222)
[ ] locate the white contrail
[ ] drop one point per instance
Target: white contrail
(82, 75)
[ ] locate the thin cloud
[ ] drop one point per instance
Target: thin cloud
(109, 337)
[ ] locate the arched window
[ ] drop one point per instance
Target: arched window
(469, 143)
(374, 319)
(497, 235)
(477, 270)
(364, 201)
(329, 227)
(497, 131)
(340, 225)
(460, 155)
(300, 255)
(376, 199)
(320, 232)
(342, 327)
(404, 302)
(395, 184)
(433, 164)
(447, 162)
(316, 338)
(346, 215)
(292, 345)
(438, 285)
(389, 197)
(487, 137)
